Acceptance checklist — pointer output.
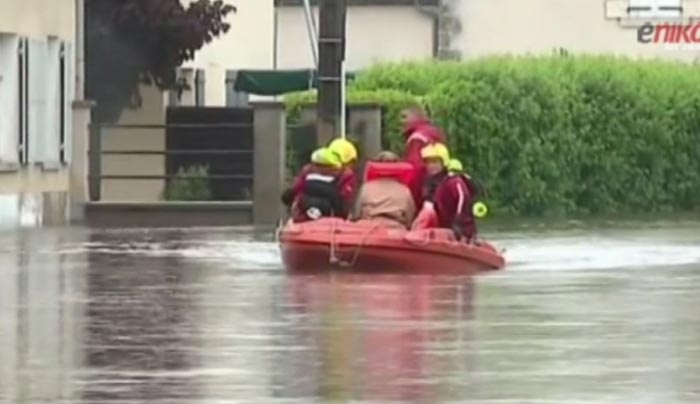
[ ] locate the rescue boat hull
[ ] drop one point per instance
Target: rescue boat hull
(369, 246)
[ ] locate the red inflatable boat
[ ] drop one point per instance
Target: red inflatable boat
(325, 243)
(372, 246)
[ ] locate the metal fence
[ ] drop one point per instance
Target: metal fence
(227, 156)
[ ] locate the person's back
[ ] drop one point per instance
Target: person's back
(387, 198)
(455, 168)
(319, 189)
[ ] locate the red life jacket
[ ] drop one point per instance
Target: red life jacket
(472, 186)
(400, 171)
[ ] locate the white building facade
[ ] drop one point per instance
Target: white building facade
(37, 85)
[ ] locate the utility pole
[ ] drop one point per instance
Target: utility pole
(331, 53)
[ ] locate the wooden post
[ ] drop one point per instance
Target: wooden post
(331, 52)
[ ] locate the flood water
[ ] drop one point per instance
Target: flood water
(583, 314)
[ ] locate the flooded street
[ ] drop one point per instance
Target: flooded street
(582, 314)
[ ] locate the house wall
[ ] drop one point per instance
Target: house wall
(374, 34)
(34, 181)
(263, 36)
(476, 28)
(38, 18)
(538, 26)
(247, 45)
(42, 307)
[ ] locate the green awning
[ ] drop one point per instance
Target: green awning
(277, 82)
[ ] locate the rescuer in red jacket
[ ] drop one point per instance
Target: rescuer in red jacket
(418, 132)
(447, 194)
(322, 188)
(455, 168)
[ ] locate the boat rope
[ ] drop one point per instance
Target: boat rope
(333, 258)
(358, 249)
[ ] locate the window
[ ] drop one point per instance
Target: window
(9, 99)
(659, 9)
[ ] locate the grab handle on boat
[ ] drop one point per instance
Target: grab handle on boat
(429, 235)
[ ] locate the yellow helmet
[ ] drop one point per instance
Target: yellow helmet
(436, 151)
(326, 157)
(455, 166)
(344, 149)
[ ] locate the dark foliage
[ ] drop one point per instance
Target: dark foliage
(133, 42)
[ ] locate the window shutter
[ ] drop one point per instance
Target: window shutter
(42, 87)
(68, 96)
(9, 98)
(50, 148)
(23, 95)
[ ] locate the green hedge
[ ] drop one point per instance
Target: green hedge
(559, 135)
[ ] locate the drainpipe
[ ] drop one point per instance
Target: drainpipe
(275, 38)
(311, 31)
(275, 45)
(433, 13)
(79, 49)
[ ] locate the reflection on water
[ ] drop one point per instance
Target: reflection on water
(581, 315)
(41, 315)
(140, 330)
(368, 335)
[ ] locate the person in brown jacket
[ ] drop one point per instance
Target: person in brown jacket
(385, 195)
